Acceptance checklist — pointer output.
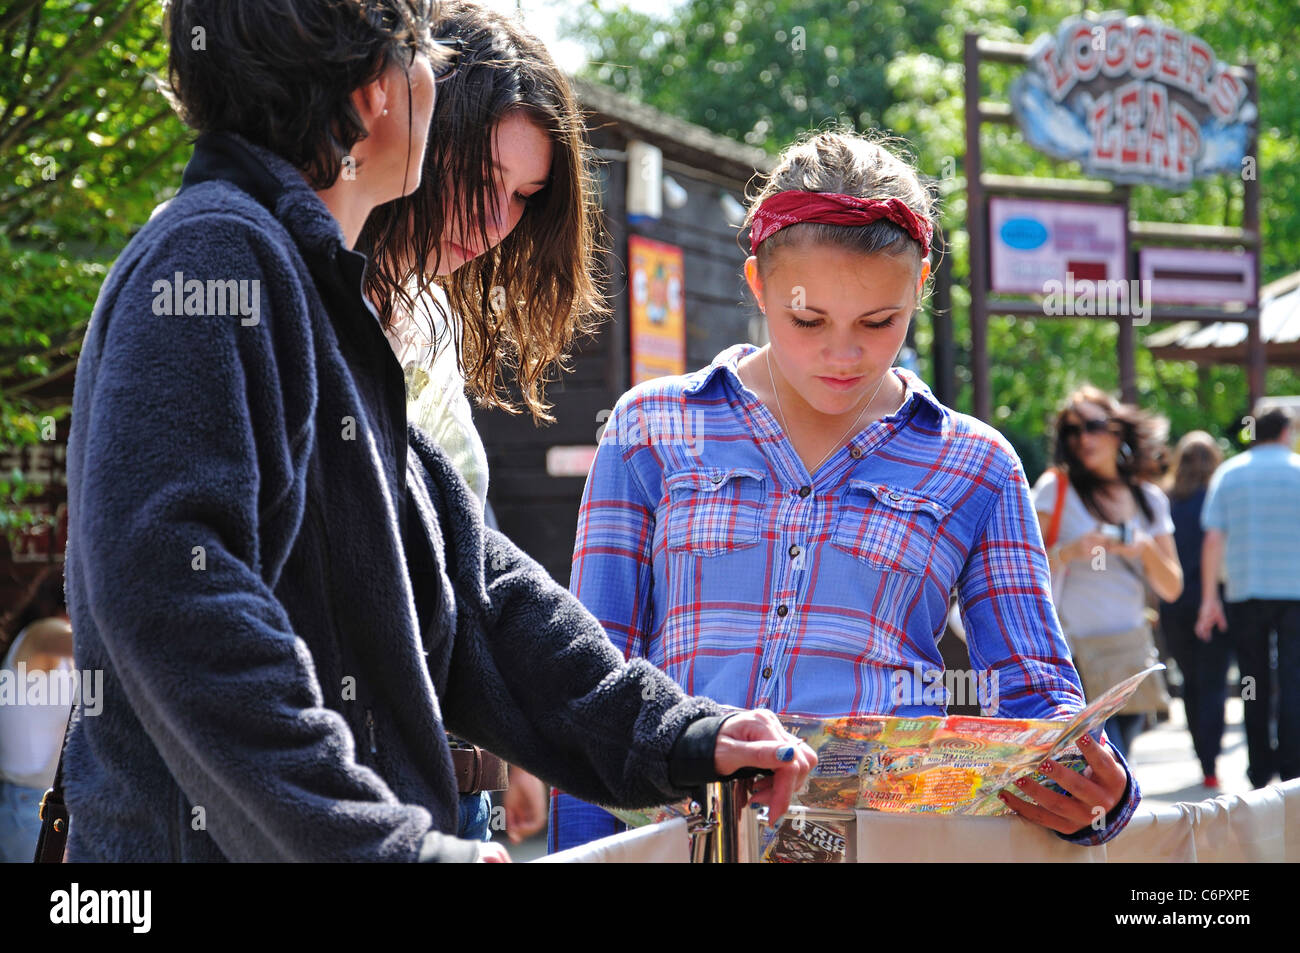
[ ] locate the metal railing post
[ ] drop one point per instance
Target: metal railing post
(715, 827)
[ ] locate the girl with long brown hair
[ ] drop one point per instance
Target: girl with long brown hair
(483, 276)
(1202, 661)
(504, 224)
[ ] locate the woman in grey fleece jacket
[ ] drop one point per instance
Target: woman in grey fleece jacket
(290, 594)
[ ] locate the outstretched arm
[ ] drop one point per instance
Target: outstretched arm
(1012, 629)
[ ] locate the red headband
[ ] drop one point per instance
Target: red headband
(832, 208)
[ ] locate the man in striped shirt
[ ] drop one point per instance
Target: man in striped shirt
(1251, 518)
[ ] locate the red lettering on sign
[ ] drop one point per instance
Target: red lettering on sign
(1171, 55)
(1227, 96)
(1144, 50)
(1105, 137)
(1118, 47)
(1084, 60)
(1156, 157)
(1187, 138)
(1058, 80)
(1200, 63)
(1129, 107)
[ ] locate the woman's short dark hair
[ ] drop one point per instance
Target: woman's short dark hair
(518, 307)
(281, 73)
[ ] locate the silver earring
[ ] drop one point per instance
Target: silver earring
(385, 112)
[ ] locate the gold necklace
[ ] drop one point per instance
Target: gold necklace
(834, 446)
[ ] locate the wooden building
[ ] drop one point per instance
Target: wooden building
(536, 506)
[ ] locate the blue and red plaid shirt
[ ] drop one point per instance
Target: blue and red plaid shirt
(705, 546)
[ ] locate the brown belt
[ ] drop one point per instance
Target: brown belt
(479, 770)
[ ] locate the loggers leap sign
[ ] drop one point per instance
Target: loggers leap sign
(1133, 100)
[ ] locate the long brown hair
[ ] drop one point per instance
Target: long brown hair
(518, 306)
(1195, 460)
(1142, 438)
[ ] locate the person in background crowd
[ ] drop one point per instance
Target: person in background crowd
(31, 733)
(1251, 519)
(1114, 537)
(505, 202)
(1202, 661)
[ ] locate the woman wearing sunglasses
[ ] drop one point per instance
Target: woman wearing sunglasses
(1109, 536)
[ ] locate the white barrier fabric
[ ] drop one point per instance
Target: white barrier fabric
(937, 838)
(1262, 827)
(666, 843)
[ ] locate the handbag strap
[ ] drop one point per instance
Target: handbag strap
(54, 812)
(1054, 527)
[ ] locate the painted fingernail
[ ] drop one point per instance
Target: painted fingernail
(1021, 782)
(1045, 767)
(786, 753)
(1084, 741)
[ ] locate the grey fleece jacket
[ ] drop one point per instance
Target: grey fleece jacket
(290, 594)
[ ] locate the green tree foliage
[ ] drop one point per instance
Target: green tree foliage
(88, 147)
(767, 70)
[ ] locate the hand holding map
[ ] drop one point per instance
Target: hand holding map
(944, 765)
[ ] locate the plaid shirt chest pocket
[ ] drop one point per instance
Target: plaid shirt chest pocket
(890, 529)
(714, 510)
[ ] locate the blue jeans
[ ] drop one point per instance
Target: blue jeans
(475, 817)
(20, 824)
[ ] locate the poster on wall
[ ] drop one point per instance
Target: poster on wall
(1134, 100)
(657, 308)
(1037, 242)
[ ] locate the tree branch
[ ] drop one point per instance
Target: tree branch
(22, 67)
(10, 17)
(24, 196)
(51, 92)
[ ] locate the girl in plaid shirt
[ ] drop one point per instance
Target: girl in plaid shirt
(783, 528)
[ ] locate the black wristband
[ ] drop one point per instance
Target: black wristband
(691, 760)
